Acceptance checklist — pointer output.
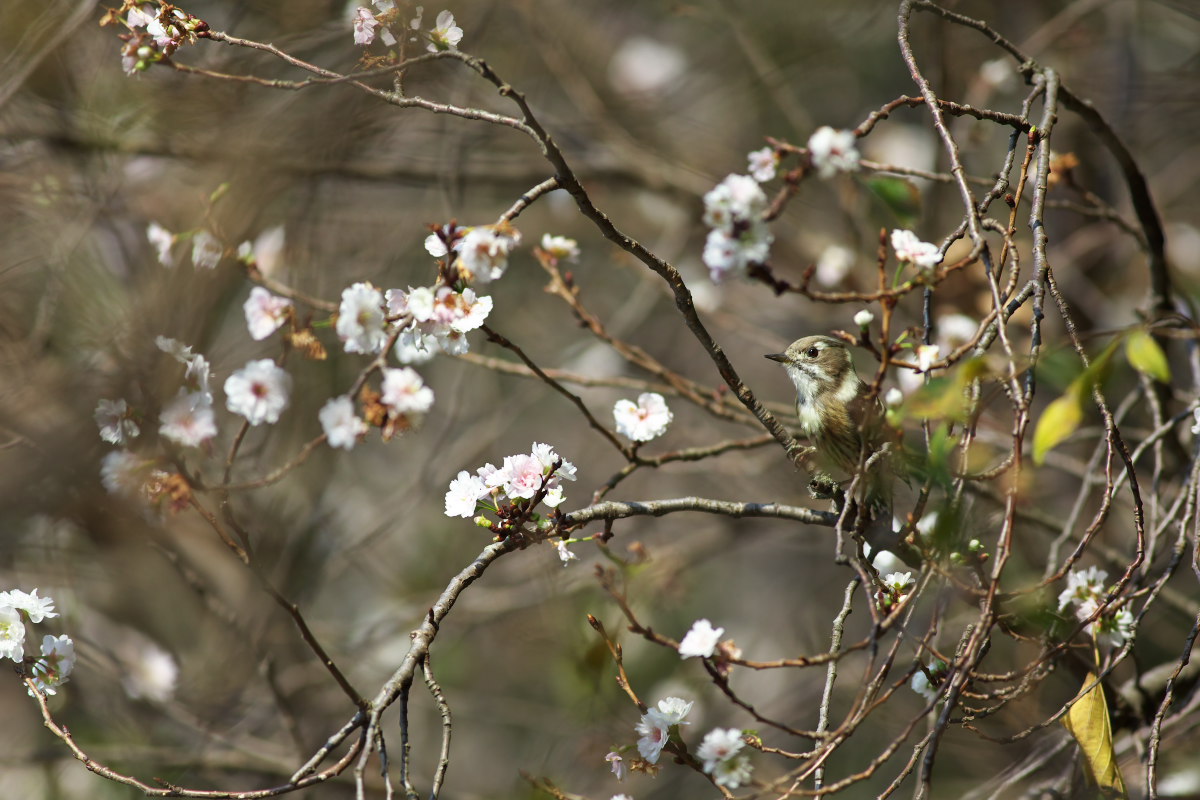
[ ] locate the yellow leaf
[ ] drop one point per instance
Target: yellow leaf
(1059, 420)
(1088, 722)
(1146, 356)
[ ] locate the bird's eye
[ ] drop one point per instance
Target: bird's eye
(812, 352)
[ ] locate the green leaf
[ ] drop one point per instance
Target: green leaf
(1146, 356)
(1058, 421)
(1088, 722)
(899, 196)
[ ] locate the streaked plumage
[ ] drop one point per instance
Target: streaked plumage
(834, 408)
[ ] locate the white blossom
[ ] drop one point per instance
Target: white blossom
(921, 685)
(34, 607)
(701, 640)
(53, 668)
(116, 426)
(720, 744)
(340, 422)
(121, 472)
(161, 238)
(955, 330)
(654, 728)
(265, 313)
(733, 772)
(833, 151)
(267, 250)
(152, 674)
(445, 34)
(1083, 585)
(908, 247)
(188, 420)
(893, 398)
(644, 420)
(360, 322)
(834, 264)
(926, 355)
(564, 553)
(762, 164)
(464, 494)
(12, 633)
(863, 318)
(730, 256)
(258, 391)
(206, 250)
(435, 246)
(404, 392)
(415, 347)
(560, 247)
(736, 199)
(483, 252)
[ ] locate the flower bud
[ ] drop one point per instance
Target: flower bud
(864, 318)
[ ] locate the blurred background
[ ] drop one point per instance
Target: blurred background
(190, 673)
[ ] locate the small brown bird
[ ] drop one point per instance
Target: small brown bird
(837, 413)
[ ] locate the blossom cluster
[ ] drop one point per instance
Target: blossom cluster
(832, 151)
(155, 32)
(720, 750)
(1085, 590)
(382, 23)
(739, 236)
(52, 668)
(519, 478)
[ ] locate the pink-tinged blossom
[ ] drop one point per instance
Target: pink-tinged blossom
(361, 323)
(833, 151)
(644, 420)
(464, 494)
(762, 164)
(137, 18)
(560, 247)
(435, 246)
(737, 199)
(445, 34)
(116, 425)
(364, 26)
(12, 633)
(720, 744)
(206, 250)
(459, 311)
(654, 728)
(520, 476)
(701, 640)
(28, 603)
(265, 313)
(188, 420)
(54, 667)
(340, 422)
(908, 247)
(483, 252)
(258, 391)
(618, 765)
(404, 392)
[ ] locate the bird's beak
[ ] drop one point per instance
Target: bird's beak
(780, 357)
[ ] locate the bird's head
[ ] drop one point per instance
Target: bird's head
(820, 367)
